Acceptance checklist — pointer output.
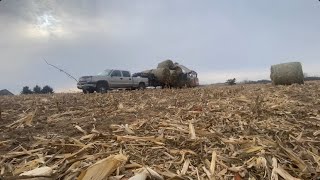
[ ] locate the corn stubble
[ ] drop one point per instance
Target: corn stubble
(238, 132)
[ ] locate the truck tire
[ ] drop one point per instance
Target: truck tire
(102, 87)
(142, 86)
(86, 91)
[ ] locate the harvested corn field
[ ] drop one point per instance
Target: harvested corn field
(238, 132)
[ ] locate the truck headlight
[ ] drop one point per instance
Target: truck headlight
(85, 79)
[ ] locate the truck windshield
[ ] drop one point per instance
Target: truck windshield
(105, 72)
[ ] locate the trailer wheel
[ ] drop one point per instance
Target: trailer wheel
(142, 86)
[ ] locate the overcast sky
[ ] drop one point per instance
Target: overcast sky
(219, 39)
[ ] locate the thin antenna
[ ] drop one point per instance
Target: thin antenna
(69, 75)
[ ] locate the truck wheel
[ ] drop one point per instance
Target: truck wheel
(91, 91)
(84, 91)
(142, 86)
(102, 87)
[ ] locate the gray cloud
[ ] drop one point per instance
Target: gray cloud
(85, 37)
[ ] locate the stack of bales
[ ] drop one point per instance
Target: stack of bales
(167, 73)
(287, 73)
(166, 64)
(175, 75)
(162, 74)
(175, 72)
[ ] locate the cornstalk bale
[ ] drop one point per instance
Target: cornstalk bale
(179, 73)
(166, 64)
(174, 75)
(147, 71)
(287, 73)
(178, 69)
(163, 74)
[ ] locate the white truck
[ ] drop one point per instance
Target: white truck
(111, 79)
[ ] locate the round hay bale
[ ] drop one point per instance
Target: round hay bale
(166, 64)
(174, 78)
(178, 70)
(162, 74)
(287, 73)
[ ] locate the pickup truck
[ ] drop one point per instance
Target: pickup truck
(111, 79)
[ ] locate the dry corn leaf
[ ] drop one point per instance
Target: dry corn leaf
(284, 174)
(299, 162)
(103, 168)
(140, 176)
(81, 130)
(192, 132)
(315, 157)
(316, 133)
(89, 136)
(274, 174)
(3, 143)
(25, 120)
(253, 149)
(26, 167)
(213, 163)
(80, 151)
(146, 172)
(222, 172)
(209, 175)
(149, 138)
(128, 130)
(185, 167)
(42, 171)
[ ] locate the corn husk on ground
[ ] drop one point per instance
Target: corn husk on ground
(238, 132)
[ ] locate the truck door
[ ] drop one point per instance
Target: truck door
(127, 79)
(116, 79)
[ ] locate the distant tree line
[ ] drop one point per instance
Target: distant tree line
(311, 78)
(262, 81)
(231, 81)
(37, 90)
(265, 81)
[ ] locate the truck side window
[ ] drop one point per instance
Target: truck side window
(116, 73)
(125, 74)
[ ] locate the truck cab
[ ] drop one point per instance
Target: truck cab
(111, 79)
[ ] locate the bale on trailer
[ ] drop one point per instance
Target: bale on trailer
(178, 70)
(147, 71)
(170, 74)
(163, 75)
(166, 64)
(287, 73)
(174, 78)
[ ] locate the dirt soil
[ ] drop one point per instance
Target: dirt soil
(225, 132)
